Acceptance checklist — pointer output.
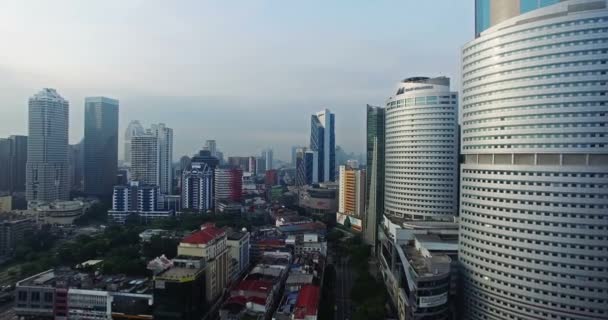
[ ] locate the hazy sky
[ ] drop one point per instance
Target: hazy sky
(246, 73)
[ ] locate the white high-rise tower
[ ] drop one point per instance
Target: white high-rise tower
(421, 160)
(165, 151)
(534, 182)
(47, 150)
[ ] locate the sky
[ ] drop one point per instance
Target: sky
(246, 73)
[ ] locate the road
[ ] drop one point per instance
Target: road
(344, 284)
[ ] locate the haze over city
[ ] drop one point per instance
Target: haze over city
(226, 70)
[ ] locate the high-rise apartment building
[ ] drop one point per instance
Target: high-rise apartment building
(421, 155)
(165, 157)
(534, 182)
(228, 184)
(198, 182)
(134, 129)
(145, 159)
(351, 194)
(260, 166)
(47, 150)
(323, 141)
(100, 145)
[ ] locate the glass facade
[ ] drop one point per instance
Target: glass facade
(491, 12)
(100, 145)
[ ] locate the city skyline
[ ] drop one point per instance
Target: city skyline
(335, 70)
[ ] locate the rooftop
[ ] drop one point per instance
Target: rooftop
(208, 233)
(236, 235)
(179, 274)
(307, 303)
(426, 265)
(68, 278)
(254, 285)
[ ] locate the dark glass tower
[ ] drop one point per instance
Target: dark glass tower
(100, 145)
(375, 169)
(18, 161)
(323, 141)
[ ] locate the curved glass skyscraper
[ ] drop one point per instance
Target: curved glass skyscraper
(421, 150)
(534, 182)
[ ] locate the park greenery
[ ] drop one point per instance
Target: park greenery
(118, 246)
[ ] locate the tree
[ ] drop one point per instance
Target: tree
(347, 223)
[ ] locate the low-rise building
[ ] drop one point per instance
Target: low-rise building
(12, 232)
(57, 212)
(68, 294)
(238, 244)
(180, 290)
(209, 243)
(419, 264)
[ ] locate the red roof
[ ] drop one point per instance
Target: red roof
(257, 300)
(207, 233)
(271, 242)
(307, 303)
(254, 285)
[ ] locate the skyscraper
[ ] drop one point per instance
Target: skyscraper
(267, 155)
(323, 141)
(145, 159)
(534, 182)
(421, 177)
(18, 162)
(307, 167)
(100, 145)
(211, 146)
(47, 150)
(351, 193)
(165, 159)
(76, 165)
(5, 165)
(134, 129)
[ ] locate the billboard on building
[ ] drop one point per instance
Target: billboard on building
(355, 223)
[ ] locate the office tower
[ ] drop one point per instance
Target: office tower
(185, 163)
(373, 212)
(211, 146)
(5, 165)
(534, 181)
(100, 145)
(351, 193)
(145, 159)
(267, 155)
(18, 162)
(165, 158)
(47, 149)
(134, 129)
(323, 141)
(228, 184)
(307, 167)
(198, 182)
(294, 151)
(421, 159)
(76, 165)
(260, 166)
